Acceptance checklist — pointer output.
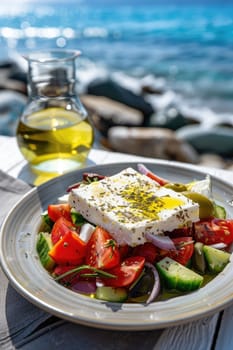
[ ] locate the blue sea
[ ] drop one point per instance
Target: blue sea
(182, 47)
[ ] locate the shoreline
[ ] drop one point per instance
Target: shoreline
(142, 106)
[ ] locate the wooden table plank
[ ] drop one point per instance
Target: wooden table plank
(225, 334)
(198, 335)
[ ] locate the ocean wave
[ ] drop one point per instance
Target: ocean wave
(52, 32)
(187, 51)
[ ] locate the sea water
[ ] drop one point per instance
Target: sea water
(184, 47)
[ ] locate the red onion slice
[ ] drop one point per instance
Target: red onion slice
(142, 169)
(156, 287)
(84, 287)
(145, 171)
(163, 242)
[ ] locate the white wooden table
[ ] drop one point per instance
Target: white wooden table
(214, 332)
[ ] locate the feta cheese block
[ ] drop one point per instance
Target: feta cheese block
(130, 204)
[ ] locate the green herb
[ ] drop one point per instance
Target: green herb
(98, 272)
(137, 280)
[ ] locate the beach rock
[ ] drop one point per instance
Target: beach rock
(6, 64)
(12, 105)
(151, 85)
(226, 124)
(230, 167)
(218, 140)
(150, 89)
(15, 85)
(18, 75)
(151, 142)
(106, 113)
(171, 118)
(12, 76)
(111, 89)
(186, 154)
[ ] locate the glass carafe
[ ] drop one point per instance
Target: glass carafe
(54, 133)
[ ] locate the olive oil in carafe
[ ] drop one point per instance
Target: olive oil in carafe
(55, 140)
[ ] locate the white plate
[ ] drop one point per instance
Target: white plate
(20, 263)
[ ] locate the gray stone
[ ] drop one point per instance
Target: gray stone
(184, 153)
(217, 140)
(13, 76)
(150, 142)
(111, 89)
(106, 113)
(150, 89)
(14, 85)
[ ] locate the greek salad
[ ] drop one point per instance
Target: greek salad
(135, 237)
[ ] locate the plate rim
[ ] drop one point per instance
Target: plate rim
(103, 323)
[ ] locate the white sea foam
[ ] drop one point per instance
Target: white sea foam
(192, 108)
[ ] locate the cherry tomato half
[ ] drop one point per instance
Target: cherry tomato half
(102, 251)
(60, 228)
(214, 231)
(69, 250)
(184, 250)
(55, 211)
(146, 250)
(126, 273)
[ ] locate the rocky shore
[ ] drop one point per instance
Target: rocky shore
(143, 121)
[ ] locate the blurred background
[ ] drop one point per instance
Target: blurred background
(156, 76)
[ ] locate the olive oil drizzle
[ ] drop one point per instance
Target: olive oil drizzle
(143, 204)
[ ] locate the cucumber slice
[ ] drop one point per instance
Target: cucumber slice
(219, 211)
(77, 218)
(43, 246)
(216, 259)
(111, 294)
(177, 276)
(47, 221)
(167, 270)
(198, 258)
